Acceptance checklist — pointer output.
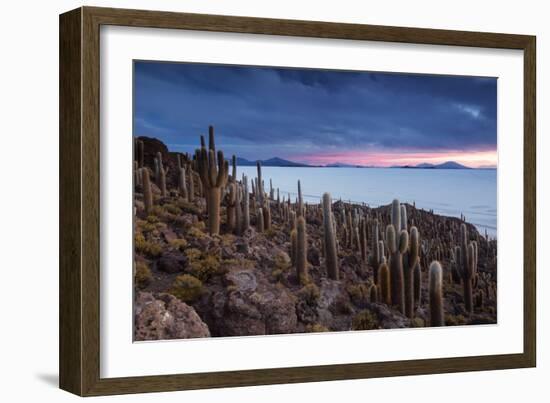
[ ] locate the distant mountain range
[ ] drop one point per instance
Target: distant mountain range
(279, 162)
(444, 165)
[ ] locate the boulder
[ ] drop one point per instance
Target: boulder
(163, 316)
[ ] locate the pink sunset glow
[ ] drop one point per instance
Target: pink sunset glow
(473, 159)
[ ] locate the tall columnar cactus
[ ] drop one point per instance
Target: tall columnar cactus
(436, 295)
(260, 184)
(147, 192)
(301, 251)
(191, 190)
(231, 200)
(397, 246)
(260, 220)
(300, 211)
(410, 260)
(373, 293)
(384, 282)
(140, 153)
(468, 267)
(271, 190)
(293, 246)
(213, 176)
(267, 215)
(375, 258)
(363, 241)
(161, 174)
(403, 217)
(246, 206)
(238, 210)
(234, 168)
(417, 284)
(329, 239)
(182, 184)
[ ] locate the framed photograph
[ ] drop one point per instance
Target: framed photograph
(251, 201)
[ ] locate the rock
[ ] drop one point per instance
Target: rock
(172, 263)
(163, 316)
(242, 247)
(169, 235)
(313, 256)
(388, 318)
(242, 280)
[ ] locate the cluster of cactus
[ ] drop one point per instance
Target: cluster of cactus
(397, 241)
(466, 257)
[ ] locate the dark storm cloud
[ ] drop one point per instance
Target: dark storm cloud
(265, 112)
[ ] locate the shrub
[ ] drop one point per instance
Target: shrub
(364, 320)
(187, 288)
(282, 261)
(179, 244)
(172, 209)
(359, 294)
(202, 265)
(194, 232)
(145, 247)
(143, 276)
(309, 293)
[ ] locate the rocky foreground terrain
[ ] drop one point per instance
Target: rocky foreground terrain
(221, 255)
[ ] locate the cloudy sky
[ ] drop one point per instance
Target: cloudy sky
(318, 116)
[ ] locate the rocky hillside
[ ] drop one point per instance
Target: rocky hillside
(220, 255)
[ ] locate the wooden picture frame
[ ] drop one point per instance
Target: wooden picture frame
(80, 184)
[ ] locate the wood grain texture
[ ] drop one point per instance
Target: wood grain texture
(80, 195)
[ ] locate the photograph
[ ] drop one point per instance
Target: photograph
(276, 200)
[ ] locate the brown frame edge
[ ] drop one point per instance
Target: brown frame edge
(79, 201)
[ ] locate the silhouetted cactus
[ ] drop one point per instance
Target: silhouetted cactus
(147, 192)
(329, 238)
(140, 154)
(436, 295)
(214, 175)
(301, 251)
(300, 211)
(234, 168)
(191, 192)
(410, 260)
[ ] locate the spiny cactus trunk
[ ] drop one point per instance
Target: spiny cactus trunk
(260, 184)
(238, 211)
(293, 246)
(329, 234)
(183, 184)
(410, 260)
(191, 190)
(246, 206)
(141, 153)
(231, 211)
(260, 220)
(436, 295)
(301, 252)
(417, 284)
(267, 215)
(384, 283)
(147, 193)
(214, 196)
(300, 211)
(397, 281)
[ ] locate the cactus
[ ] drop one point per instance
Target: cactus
(161, 174)
(384, 282)
(260, 220)
(260, 184)
(231, 200)
(267, 215)
(410, 260)
(397, 247)
(468, 266)
(329, 238)
(147, 193)
(301, 252)
(191, 190)
(234, 168)
(182, 184)
(300, 211)
(238, 210)
(373, 293)
(293, 246)
(436, 295)
(375, 258)
(246, 206)
(417, 284)
(140, 154)
(363, 241)
(213, 176)
(403, 217)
